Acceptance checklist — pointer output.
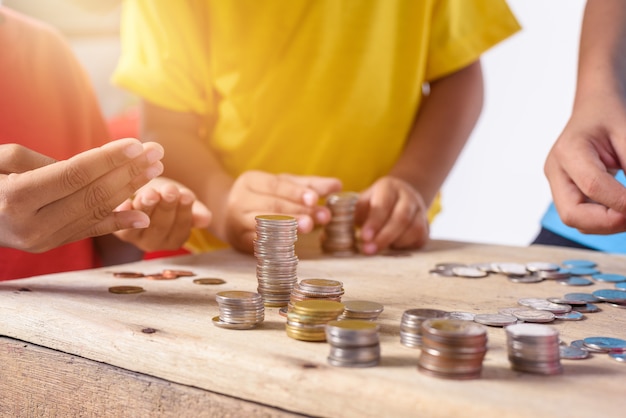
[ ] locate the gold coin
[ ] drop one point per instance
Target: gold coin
(128, 274)
(125, 290)
(209, 280)
(274, 217)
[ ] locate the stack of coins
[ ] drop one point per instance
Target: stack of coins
(452, 348)
(274, 248)
(411, 325)
(316, 289)
(353, 343)
(361, 309)
(308, 318)
(239, 309)
(534, 348)
(338, 237)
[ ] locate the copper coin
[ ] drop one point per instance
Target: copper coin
(127, 274)
(178, 273)
(125, 290)
(209, 280)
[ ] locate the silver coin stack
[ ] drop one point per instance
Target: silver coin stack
(239, 309)
(452, 348)
(274, 248)
(534, 348)
(338, 237)
(361, 309)
(353, 343)
(411, 325)
(307, 289)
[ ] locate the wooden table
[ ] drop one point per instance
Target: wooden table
(71, 348)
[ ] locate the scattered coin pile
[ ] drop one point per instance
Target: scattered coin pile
(316, 289)
(308, 318)
(361, 309)
(534, 348)
(569, 272)
(338, 237)
(353, 343)
(239, 309)
(452, 348)
(411, 324)
(277, 263)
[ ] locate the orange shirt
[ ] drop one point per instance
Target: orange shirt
(47, 104)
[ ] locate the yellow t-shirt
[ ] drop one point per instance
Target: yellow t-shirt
(324, 87)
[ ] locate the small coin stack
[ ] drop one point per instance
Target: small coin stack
(239, 309)
(361, 309)
(452, 348)
(316, 289)
(353, 343)
(338, 237)
(274, 248)
(534, 348)
(411, 325)
(308, 318)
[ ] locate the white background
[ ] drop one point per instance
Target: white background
(497, 192)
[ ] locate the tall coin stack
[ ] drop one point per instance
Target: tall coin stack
(353, 343)
(338, 237)
(534, 348)
(239, 309)
(316, 289)
(452, 348)
(274, 248)
(411, 325)
(308, 318)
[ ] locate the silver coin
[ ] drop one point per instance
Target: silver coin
(588, 308)
(531, 278)
(554, 275)
(621, 357)
(611, 295)
(575, 281)
(515, 269)
(533, 315)
(570, 352)
(587, 297)
(495, 320)
(605, 343)
(570, 316)
(609, 277)
(582, 271)
(578, 263)
(465, 316)
(541, 266)
(618, 305)
(469, 272)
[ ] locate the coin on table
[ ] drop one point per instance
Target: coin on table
(578, 263)
(621, 285)
(125, 290)
(536, 266)
(609, 277)
(581, 271)
(621, 357)
(570, 352)
(570, 316)
(495, 320)
(533, 315)
(575, 281)
(611, 295)
(464, 316)
(128, 274)
(585, 297)
(531, 278)
(607, 344)
(588, 308)
(228, 325)
(469, 272)
(209, 280)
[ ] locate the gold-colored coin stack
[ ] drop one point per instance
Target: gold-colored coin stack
(534, 348)
(411, 325)
(316, 289)
(353, 343)
(239, 309)
(274, 248)
(308, 318)
(361, 309)
(452, 348)
(338, 237)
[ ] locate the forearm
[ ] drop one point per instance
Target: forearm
(602, 54)
(189, 160)
(441, 129)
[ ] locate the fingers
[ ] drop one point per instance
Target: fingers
(394, 215)
(16, 158)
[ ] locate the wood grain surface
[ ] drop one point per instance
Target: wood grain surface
(75, 315)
